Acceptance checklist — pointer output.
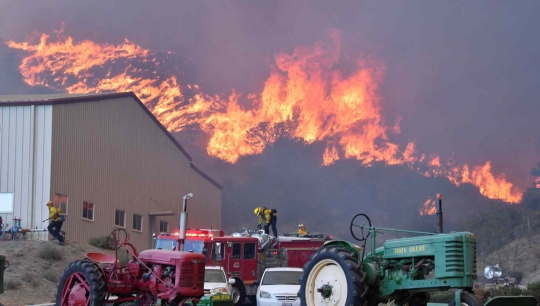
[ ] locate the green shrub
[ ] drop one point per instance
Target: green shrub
(513, 291)
(48, 252)
(442, 296)
(123, 257)
(51, 276)
(12, 284)
(100, 242)
(533, 289)
(30, 279)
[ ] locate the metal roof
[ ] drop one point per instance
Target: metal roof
(45, 97)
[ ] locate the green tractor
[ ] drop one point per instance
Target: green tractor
(403, 271)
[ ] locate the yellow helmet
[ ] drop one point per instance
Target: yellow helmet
(301, 226)
(257, 211)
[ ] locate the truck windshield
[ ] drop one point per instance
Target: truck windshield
(166, 244)
(281, 277)
(214, 276)
(198, 246)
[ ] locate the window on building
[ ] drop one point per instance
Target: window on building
(120, 218)
(137, 222)
(249, 251)
(6, 202)
(61, 201)
(88, 210)
(236, 250)
(163, 226)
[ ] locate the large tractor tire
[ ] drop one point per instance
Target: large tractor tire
(332, 277)
(82, 284)
(467, 299)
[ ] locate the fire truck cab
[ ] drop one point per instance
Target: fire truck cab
(244, 256)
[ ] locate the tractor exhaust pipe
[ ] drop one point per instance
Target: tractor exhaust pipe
(439, 214)
(183, 222)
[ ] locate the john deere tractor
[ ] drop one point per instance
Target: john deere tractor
(402, 271)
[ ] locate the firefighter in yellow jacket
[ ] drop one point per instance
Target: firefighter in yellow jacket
(56, 222)
(269, 216)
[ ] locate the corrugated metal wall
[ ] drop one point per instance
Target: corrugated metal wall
(25, 162)
(202, 213)
(113, 154)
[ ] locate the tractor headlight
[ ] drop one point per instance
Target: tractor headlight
(220, 289)
(265, 295)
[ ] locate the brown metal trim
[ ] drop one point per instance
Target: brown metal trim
(206, 176)
(98, 97)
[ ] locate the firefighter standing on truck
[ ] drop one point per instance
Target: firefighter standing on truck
(270, 219)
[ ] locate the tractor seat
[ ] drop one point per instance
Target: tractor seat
(153, 255)
(101, 258)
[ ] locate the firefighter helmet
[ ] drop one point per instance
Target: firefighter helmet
(257, 211)
(301, 226)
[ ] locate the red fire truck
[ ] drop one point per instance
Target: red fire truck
(246, 255)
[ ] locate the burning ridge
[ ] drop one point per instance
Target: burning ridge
(305, 98)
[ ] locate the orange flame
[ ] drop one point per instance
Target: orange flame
(305, 98)
(428, 208)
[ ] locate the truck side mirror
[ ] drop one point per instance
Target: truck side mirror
(232, 281)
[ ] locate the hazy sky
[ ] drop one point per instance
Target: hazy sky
(463, 75)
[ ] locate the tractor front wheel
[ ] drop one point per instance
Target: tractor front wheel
(467, 299)
(332, 277)
(82, 284)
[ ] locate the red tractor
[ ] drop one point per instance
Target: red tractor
(152, 277)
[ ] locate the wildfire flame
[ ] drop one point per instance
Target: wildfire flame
(428, 208)
(305, 98)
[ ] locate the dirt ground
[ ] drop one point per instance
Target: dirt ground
(30, 279)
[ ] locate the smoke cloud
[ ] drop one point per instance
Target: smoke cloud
(462, 77)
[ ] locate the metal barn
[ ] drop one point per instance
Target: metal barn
(105, 160)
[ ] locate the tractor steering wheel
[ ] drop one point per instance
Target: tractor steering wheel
(358, 226)
(116, 238)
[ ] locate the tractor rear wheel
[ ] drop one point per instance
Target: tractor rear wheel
(467, 299)
(331, 277)
(82, 284)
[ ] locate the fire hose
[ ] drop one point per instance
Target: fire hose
(16, 228)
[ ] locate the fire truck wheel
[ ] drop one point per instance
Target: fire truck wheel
(82, 283)
(238, 293)
(331, 277)
(467, 299)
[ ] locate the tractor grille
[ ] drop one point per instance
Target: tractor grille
(454, 256)
(286, 298)
(191, 274)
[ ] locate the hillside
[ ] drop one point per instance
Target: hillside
(521, 255)
(31, 279)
